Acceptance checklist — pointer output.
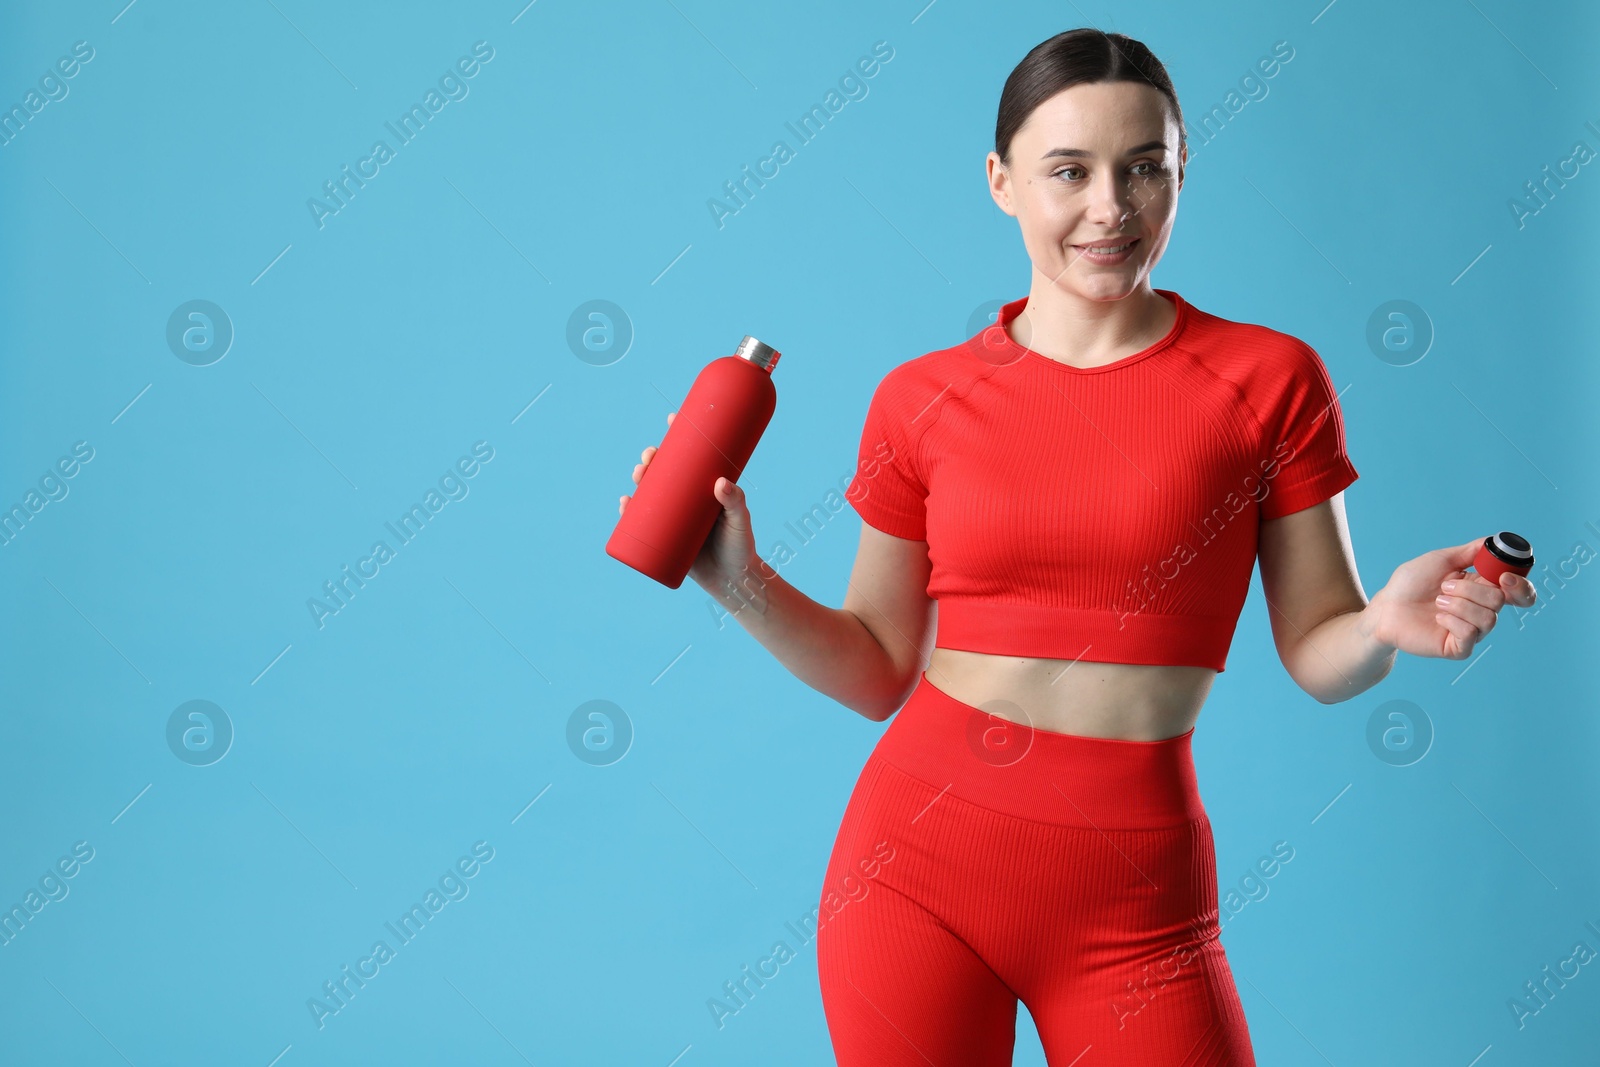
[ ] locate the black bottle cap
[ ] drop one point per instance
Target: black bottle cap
(1510, 548)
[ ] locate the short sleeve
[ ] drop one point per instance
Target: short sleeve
(1305, 460)
(887, 490)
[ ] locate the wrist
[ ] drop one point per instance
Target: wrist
(745, 586)
(1372, 622)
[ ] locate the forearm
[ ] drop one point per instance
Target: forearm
(1340, 658)
(829, 649)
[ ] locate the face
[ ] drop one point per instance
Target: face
(1096, 165)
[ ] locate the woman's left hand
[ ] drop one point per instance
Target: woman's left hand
(1433, 606)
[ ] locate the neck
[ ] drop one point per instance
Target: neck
(1085, 333)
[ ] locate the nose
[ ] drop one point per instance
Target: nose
(1111, 200)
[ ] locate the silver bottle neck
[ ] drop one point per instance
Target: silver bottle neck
(763, 356)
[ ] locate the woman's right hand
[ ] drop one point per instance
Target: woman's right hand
(729, 554)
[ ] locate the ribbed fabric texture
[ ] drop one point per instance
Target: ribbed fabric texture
(1099, 914)
(1107, 513)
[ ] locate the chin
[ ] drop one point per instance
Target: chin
(1105, 286)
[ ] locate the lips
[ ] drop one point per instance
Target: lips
(1105, 248)
(1108, 253)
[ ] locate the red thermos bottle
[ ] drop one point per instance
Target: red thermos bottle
(713, 434)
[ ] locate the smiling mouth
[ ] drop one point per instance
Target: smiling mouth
(1108, 250)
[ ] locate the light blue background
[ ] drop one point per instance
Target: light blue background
(433, 309)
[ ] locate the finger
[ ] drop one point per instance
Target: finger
(1474, 615)
(670, 414)
(1478, 591)
(1465, 633)
(1518, 589)
(638, 472)
(622, 504)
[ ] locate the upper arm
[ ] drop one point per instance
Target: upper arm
(1306, 460)
(1308, 568)
(888, 588)
(1308, 573)
(888, 592)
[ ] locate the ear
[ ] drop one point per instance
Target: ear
(1000, 178)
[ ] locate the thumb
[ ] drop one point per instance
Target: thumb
(1461, 556)
(731, 496)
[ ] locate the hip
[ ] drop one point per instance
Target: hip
(994, 826)
(1011, 768)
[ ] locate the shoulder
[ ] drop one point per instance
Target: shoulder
(1257, 341)
(913, 385)
(941, 365)
(1260, 360)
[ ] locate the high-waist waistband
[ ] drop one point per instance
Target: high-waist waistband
(1065, 779)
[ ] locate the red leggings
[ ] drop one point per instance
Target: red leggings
(981, 862)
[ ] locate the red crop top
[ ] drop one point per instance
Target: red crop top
(1105, 513)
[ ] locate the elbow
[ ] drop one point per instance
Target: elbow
(875, 705)
(874, 712)
(1320, 689)
(1324, 690)
(890, 680)
(889, 699)
(1342, 688)
(881, 709)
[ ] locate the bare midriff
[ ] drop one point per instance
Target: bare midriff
(1123, 701)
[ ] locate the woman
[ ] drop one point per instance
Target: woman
(1067, 507)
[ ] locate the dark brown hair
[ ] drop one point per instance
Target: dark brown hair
(1076, 57)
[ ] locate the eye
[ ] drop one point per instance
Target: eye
(1156, 169)
(1064, 170)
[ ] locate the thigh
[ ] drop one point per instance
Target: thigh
(1182, 1010)
(898, 987)
(1140, 975)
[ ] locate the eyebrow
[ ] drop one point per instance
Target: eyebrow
(1079, 153)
